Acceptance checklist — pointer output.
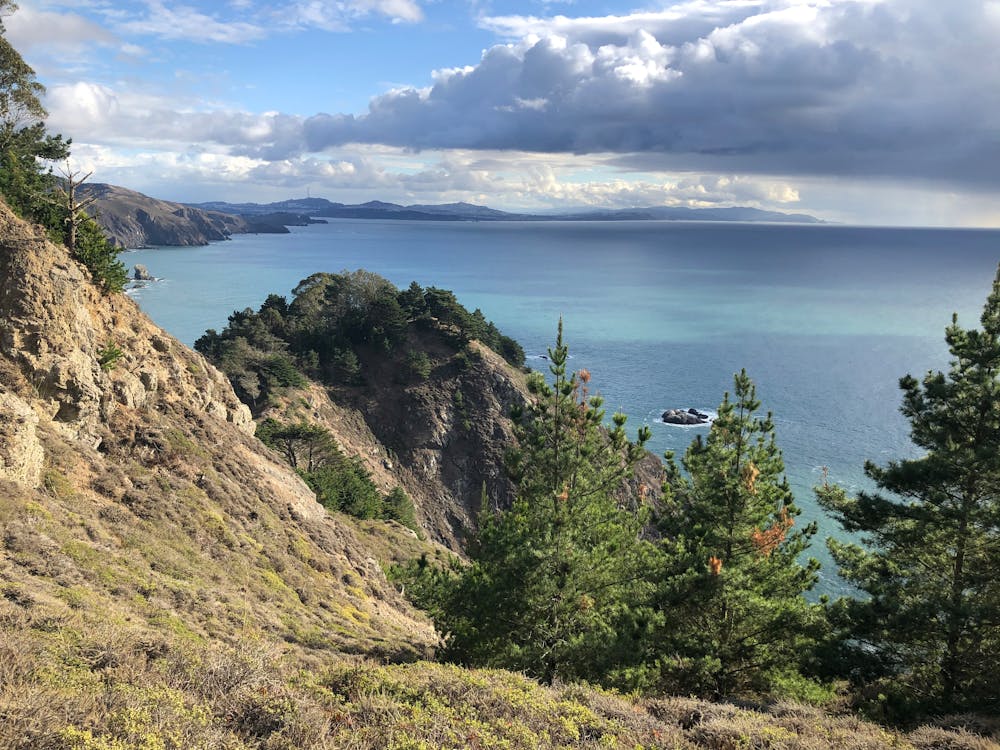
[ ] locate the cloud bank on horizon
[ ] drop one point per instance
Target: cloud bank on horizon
(864, 110)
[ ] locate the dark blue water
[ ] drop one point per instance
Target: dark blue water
(824, 318)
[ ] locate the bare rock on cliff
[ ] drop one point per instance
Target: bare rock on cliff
(85, 353)
(21, 453)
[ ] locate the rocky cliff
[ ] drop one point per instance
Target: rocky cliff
(131, 486)
(131, 219)
(442, 439)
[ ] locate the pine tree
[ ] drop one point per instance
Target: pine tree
(929, 561)
(736, 619)
(23, 139)
(555, 581)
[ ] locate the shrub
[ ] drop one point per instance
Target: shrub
(108, 356)
(418, 365)
(397, 506)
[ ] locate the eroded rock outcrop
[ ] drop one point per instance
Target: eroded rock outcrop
(86, 353)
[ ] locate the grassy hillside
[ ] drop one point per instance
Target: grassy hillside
(168, 583)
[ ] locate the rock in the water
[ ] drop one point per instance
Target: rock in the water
(680, 416)
(141, 273)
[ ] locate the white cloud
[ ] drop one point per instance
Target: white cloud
(709, 102)
(187, 22)
(70, 35)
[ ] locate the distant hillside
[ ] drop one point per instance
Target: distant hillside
(131, 219)
(472, 212)
(681, 213)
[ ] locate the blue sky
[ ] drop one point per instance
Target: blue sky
(866, 111)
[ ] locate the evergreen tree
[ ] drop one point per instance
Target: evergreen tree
(397, 506)
(929, 562)
(23, 181)
(28, 186)
(555, 581)
(99, 256)
(736, 618)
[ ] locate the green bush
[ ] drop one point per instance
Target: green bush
(418, 365)
(100, 257)
(397, 506)
(108, 356)
(346, 486)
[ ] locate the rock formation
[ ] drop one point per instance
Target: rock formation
(684, 417)
(141, 273)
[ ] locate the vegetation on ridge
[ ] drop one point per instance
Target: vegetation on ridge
(563, 585)
(335, 327)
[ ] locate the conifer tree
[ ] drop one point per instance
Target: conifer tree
(929, 562)
(554, 581)
(736, 619)
(23, 139)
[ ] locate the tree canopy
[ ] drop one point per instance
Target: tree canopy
(335, 326)
(556, 581)
(926, 634)
(28, 184)
(733, 584)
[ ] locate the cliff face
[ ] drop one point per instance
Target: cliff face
(442, 439)
(131, 219)
(129, 476)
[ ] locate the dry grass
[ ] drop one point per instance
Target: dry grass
(110, 687)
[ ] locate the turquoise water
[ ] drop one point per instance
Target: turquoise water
(824, 318)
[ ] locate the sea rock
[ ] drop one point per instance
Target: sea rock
(682, 417)
(141, 273)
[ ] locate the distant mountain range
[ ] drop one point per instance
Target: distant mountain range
(471, 212)
(132, 219)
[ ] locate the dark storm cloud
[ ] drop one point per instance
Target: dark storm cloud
(895, 88)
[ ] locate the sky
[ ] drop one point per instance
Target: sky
(863, 111)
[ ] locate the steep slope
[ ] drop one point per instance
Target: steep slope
(442, 439)
(131, 219)
(132, 490)
(401, 378)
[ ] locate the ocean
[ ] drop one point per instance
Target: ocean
(825, 318)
